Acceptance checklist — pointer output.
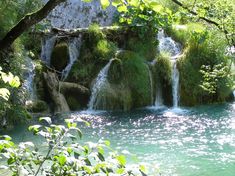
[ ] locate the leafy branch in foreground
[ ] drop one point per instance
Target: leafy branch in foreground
(62, 154)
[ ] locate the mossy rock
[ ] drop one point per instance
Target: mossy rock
(135, 76)
(162, 75)
(115, 74)
(142, 40)
(114, 97)
(105, 49)
(60, 56)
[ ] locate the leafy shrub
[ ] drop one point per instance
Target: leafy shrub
(204, 49)
(8, 82)
(64, 154)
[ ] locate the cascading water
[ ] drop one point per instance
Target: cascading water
(175, 84)
(151, 84)
(100, 82)
(158, 100)
(28, 84)
(74, 51)
(168, 45)
(48, 44)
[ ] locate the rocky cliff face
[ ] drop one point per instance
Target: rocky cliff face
(78, 14)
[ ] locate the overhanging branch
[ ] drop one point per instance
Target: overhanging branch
(27, 21)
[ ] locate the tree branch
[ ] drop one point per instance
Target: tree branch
(230, 42)
(27, 21)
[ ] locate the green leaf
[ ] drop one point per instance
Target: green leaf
(121, 159)
(15, 82)
(122, 8)
(134, 3)
(104, 3)
(47, 119)
(4, 93)
(120, 170)
(156, 7)
(100, 156)
(10, 161)
(115, 3)
(107, 143)
(62, 160)
(35, 128)
(5, 137)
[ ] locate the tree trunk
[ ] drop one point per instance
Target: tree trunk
(67, 86)
(27, 21)
(59, 100)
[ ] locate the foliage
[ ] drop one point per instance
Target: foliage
(96, 50)
(204, 68)
(220, 15)
(7, 84)
(142, 40)
(105, 49)
(142, 13)
(217, 79)
(64, 155)
(12, 11)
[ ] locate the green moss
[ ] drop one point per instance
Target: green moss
(105, 49)
(142, 40)
(95, 35)
(163, 72)
(136, 76)
(115, 74)
(60, 56)
(95, 52)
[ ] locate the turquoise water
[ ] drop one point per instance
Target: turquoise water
(190, 142)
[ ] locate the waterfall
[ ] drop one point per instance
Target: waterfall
(74, 51)
(158, 100)
(151, 84)
(28, 84)
(175, 84)
(168, 45)
(100, 82)
(48, 44)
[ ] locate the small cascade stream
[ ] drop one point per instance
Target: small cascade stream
(175, 84)
(48, 44)
(168, 45)
(100, 82)
(74, 51)
(151, 84)
(28, 84)
(158, 100)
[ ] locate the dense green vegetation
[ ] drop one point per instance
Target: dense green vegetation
(205, 74)
(204, 66)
